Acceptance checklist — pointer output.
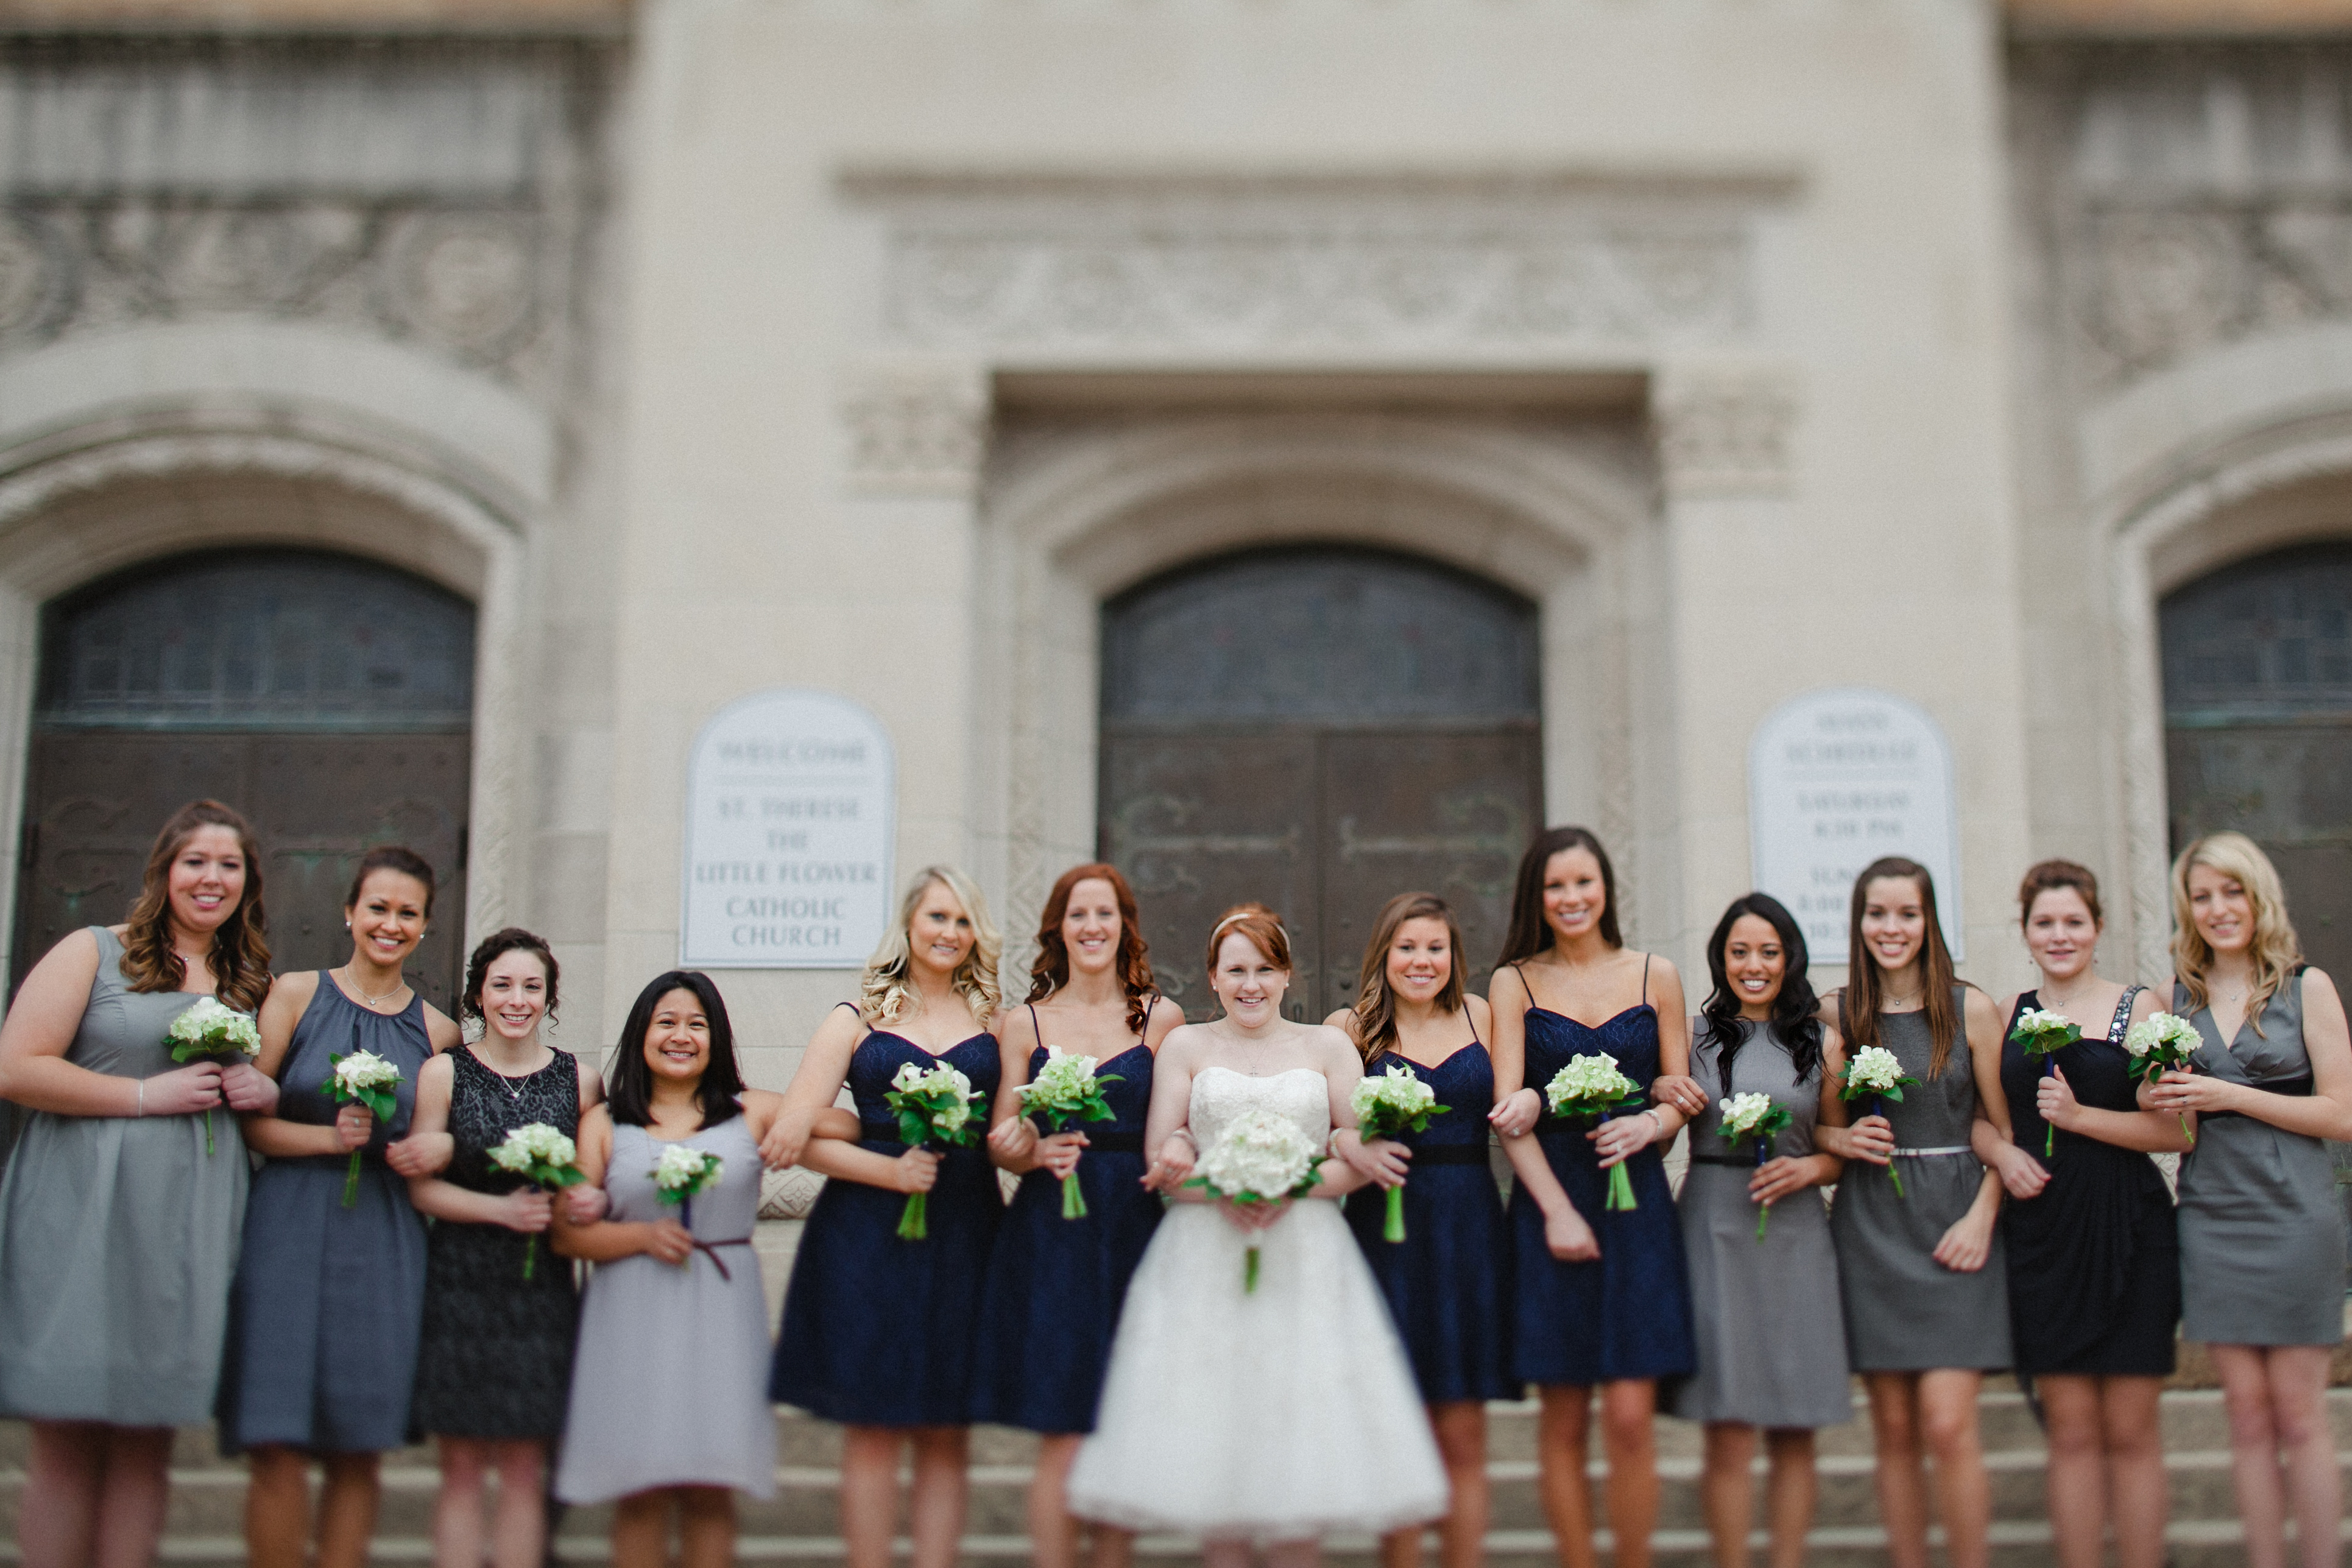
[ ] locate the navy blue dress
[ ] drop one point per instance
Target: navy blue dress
(1448, 1282)
(1627, 1313)
(879, 1331)
(1055, 1286)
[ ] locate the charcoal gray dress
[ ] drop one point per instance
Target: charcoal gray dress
(118, 1235)
(1904, 1310)
(2261, 1237)
(323, 1321)
(1771, 1344)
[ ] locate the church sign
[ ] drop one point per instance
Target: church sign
(790, 801)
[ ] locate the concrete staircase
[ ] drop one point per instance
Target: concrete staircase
(799, 1524)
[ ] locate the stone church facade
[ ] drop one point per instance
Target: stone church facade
(526, 380)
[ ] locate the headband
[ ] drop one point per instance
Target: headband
(1243, 915)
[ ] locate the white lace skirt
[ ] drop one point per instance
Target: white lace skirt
(1278, 1415)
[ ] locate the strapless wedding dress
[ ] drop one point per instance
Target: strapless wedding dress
(1278, 1415)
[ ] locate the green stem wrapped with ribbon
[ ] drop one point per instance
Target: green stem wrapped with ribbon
(1755, 1120)
(679, 1171)
(365, 1078)
(1592, 1086)
(1877, 1072)
(1397, 1101)
(544, 1158)
(2158, 1042)
(1260, 1158)
(938, 1105)
(2044, 1033)
(212, 1031)
(1067, 1090)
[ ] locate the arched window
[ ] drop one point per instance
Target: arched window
(1318, 729)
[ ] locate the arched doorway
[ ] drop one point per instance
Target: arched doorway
(1318, 729)
(330, 699)
(2258, 725)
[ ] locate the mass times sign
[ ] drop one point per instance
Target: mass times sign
(1836, 779)
(788, 831)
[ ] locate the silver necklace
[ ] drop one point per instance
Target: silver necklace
(372, 1002)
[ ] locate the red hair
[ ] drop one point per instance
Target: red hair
(1052, 970)
(1261, 925)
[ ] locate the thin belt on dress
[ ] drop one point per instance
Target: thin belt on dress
(1450, 1155)
(1098, 1142)
(1930, 1153)
(1743, 1161)
(710, 1250)
(2290, 1087)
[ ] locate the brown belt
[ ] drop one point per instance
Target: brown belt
(710, 1250)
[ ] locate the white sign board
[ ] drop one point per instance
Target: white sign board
(790, 799)
(1835, 780)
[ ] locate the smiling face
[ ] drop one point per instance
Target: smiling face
(2223, 912)
(1091, 926)
(1574, 896)
(1247, 982)
(1894, 921)
(677, 1041)
(939, 934)
(514, 994)
(1421, 960)
(1756, 963)
(388, 920)
(2062, 934)
(206, 880)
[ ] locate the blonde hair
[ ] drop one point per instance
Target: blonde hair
(2275, 952)
(886, 995)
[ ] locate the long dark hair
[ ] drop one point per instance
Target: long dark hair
(1529, 933)
(1375, 1014)
(629, 1087)
(1792, 1010)
(1858, 1003)
(1052, 970)
(240, 956)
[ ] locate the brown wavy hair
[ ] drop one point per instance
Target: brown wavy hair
(240, 956)
(1859, 1001)
(1051, 972)
(1374, 1016)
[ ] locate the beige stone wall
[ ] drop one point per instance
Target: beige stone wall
(601, 16)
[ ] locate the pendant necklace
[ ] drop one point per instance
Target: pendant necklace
(373, 1002)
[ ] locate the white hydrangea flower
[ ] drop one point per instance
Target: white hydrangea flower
(1400, 1091)
(1261, 1155)
(362, 1071)
(1874, 1070)
(679, 1168)
(221, 1028)
(1588, 1083)
(2041, 1020)
(1743, 1112)
(2161, 1029)
(532, 1144)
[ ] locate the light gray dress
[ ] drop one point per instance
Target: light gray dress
(1904, 1310)
(2262, 1239)
(118, 1236)
(1771, 1343)
(669, 1382)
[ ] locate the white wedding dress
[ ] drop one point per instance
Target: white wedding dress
(1274, 1415)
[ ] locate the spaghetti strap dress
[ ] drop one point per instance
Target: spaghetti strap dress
(1055, 1286)
(878, 1331)
(329, 1300)
(1626, 1315)
(1448, 1282)
(495, 1361)
(666, 1384)
(2262, 1233)
(118, 1235)
(1771, 1344)
(1904, 1310)
(2094, 1262)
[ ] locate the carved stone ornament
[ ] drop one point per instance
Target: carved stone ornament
(1369, 262)
(1726, 434)
(788, 1194)
(916, 431)
(462, 280)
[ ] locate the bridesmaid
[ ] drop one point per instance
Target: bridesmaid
(665, 1413)
(2094, 1265)
(1601, 1298)
(328, 1299)
(117, 1230)
(494, 1364)
(1927, 1297)
(2262, 1239)
(1448, 1283)
(879, 1333)
(1771, 1350)
(1055, 1286)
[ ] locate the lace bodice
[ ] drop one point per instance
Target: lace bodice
(1220, 1094)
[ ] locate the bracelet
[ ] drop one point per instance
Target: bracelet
(1656, 1120)
(142, 1098)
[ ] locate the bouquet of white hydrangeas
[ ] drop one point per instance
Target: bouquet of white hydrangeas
(1878, 1073)
(544, 1158)
(1399, 1100)
(1067, 1090)
(1591, 1086)
(1755, 1117)
(934, 1107)
(2159, 1041)
(2044, 1033)
(364, 1077)
(211, 1029)
(1263, 1158)
(679, 1171)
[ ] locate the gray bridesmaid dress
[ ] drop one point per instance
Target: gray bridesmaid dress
(329, 1300)
(2261, 1238)
(118, 1236)
(1771, 1344)
(1904, 1310)
(669, 1382)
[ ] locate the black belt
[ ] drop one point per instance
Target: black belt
(879, 1132)
(1450, 1155)
(1111, 1142)
(710, 1250)
(2291, 1087)
(1746, 1161)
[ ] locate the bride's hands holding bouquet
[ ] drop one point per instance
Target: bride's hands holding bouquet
(1251, 1217)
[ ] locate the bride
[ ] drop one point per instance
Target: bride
(1263, 1417)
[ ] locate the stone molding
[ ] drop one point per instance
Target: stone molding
(915, 430)
(1726, 434)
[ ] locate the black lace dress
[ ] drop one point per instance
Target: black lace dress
(496, 1362)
